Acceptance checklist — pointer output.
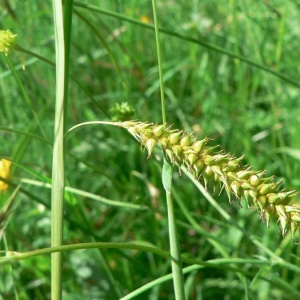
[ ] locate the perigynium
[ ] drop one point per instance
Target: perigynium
(218, 167)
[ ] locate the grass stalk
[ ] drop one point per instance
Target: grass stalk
(57, 195)
(167, 181)
(159, 60)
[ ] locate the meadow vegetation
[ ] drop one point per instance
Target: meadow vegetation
(231, 74)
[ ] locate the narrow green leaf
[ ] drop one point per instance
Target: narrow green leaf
(167, 175)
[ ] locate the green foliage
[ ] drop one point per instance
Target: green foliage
(249, 107)
(121, 112)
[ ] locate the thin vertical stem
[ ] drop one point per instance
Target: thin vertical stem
(175, 251)
(167, 182)
(57, 195)
(161, 79)
(174, 244)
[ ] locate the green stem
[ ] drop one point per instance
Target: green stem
(174, 244)
(167, 174)
(161, 79)
(175, 251)
(57, 196)
(12, 256)
(21, 49)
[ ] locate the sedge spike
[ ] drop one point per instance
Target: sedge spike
(214, 165)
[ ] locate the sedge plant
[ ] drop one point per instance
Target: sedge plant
(209, 164)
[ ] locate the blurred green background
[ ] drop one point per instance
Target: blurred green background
(247, 108)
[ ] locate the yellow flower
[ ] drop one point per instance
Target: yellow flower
(7, 41)
(4, 173)
(144, 19)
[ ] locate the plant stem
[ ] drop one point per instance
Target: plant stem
(161, 79)
(57, 196)
(175, 251)
(174, 244)
(167, 174)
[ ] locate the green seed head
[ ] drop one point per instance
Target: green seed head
(216, 166)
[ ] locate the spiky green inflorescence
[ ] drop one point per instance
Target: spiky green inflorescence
(214, 165)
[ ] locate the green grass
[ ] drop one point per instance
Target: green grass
(231, 73)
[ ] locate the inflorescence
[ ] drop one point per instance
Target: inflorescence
(214, 165)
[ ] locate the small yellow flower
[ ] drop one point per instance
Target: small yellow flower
(144, 19)
(4, 173)
(7, 41)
